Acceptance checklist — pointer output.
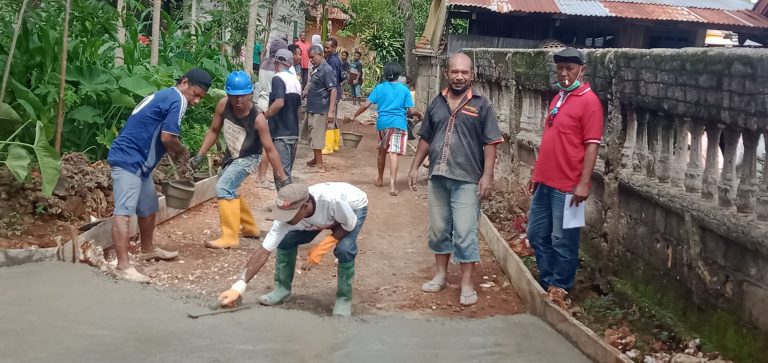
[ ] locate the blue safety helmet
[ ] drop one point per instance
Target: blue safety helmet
(239, 83)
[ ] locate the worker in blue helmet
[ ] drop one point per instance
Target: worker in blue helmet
(247, 138)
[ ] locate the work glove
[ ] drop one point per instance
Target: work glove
(316, 254)
(282, 183)
(229, 298)
(195, 161)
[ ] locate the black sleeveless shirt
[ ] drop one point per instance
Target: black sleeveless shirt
(241, 135)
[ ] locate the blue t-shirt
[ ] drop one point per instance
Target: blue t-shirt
(393, 99)
(138, 149)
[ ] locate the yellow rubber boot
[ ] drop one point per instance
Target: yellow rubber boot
(229, 214)
(250, 228)
(328, 148)
(336, 139)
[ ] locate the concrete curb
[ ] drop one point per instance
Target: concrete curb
(539, 305)
(101, 235)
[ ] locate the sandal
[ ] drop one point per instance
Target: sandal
(469, 299)
(432, 286)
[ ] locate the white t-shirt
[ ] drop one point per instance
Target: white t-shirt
(334, 203)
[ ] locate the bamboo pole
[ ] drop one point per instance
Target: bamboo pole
(16, 30)
(62, 76)
(155, 50)
(119, 56)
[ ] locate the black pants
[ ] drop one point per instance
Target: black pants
(304, 77)
(256, 67)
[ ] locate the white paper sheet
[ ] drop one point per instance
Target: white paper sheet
(573, 216)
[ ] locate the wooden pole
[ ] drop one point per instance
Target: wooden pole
(155, 50)
(119, 55)
(16, 30)
(62, 76)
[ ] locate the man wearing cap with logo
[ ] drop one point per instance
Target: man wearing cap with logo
(283, 111)
(300, 214)
(152, 129)
(572, 132)
(246, 134)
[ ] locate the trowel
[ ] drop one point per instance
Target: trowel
(216, 308)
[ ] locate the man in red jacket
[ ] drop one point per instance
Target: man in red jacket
(567, 154)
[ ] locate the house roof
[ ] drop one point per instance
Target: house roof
(721, 12)
(717, 14)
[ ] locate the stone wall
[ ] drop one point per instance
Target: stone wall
(661, 199)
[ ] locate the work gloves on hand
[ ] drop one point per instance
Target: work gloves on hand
(230, 297)
(195, 161)
(282, 183)
(316, 254)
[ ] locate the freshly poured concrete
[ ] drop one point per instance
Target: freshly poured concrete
(56, 312)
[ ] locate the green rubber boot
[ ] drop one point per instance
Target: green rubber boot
(344, 276)
(285, 266)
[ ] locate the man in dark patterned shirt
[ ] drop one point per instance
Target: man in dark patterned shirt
(460, 133)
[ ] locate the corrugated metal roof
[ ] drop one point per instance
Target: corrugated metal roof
(508, 6)
(582, 7)
(739, 18)
(651, 11)
(698, 11)
(702, 4)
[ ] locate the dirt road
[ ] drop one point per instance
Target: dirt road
(393, 259)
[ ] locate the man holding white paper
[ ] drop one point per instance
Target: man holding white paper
(562, 174)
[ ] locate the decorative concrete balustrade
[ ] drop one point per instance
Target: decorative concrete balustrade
(677, 184)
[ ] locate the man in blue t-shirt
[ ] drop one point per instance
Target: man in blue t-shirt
(152, 129)
(394, 103)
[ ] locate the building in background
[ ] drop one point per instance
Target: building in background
(457, 24)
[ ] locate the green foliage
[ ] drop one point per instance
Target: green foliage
(193, 134)
(379, 25)
(99, 96)
(459, 26)
(19, 161)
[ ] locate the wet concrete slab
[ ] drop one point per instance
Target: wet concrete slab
(56, 312)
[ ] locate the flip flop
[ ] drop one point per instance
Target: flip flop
(431, 286)
(469, 299)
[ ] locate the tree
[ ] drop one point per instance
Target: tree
(62, 76)
(253, 20)
(406, 7)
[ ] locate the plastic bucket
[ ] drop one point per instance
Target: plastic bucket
(178, 194)
(351, 139)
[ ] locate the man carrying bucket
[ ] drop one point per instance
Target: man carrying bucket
(152, 129)
(247, 134)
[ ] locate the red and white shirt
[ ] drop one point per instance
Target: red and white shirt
(577, 122)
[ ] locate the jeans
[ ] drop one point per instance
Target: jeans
(454, 209)
(345, 250)
(557, 249)
(286, 148)
(357, 90)
(233, 175)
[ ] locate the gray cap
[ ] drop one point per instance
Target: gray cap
(289, 199)
(570, 55)
(284, 56)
